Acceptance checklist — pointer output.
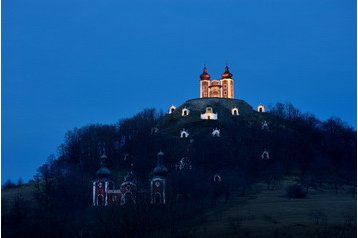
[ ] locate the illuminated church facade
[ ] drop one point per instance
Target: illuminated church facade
(217, 88)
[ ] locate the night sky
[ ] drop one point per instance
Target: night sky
(69, 63)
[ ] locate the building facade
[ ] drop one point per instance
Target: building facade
(217, 88)
(157, 183)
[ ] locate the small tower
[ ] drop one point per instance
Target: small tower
(204, 83)
(227, 83)
(102, 184)
(157, 183)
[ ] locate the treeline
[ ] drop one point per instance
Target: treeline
(298, 144)
(324, 149)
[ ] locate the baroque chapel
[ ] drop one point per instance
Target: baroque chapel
(217, 88)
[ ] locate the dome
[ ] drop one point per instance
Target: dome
(160, 169)
(103, 172)
(205, 75)
(226, 74)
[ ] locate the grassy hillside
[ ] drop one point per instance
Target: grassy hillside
(269, 213)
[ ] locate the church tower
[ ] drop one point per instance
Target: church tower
(227, 84)
(102, 184)
(157, 183)
(204, 83)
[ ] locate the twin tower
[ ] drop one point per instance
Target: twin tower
(216, 88)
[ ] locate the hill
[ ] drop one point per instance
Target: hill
(319, 158)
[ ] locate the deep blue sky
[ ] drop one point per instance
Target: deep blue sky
(69, 63)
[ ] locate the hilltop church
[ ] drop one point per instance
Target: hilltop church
(217, 88)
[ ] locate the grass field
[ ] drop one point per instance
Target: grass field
(269, 213)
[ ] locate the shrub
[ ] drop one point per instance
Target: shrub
(295, 191)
